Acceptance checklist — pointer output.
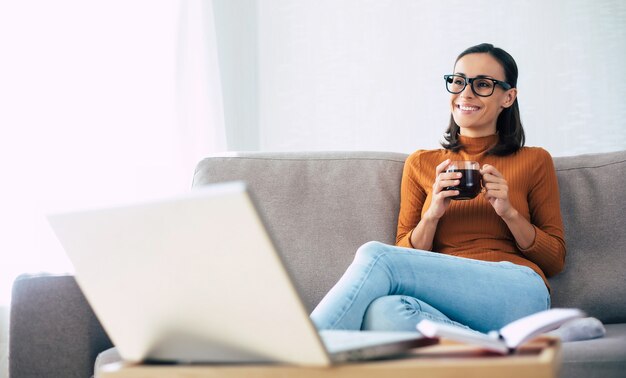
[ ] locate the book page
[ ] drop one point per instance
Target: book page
(519, 331)
(433, 329)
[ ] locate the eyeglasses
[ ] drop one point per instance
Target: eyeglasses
(481, 86)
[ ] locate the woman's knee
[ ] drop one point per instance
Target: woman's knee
(385, 313)
(394, 313)
(400, 313)
(370, 251)
(404, 305)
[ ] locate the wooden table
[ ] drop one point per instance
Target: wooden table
(539, 359)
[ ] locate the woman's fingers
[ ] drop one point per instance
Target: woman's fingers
(449, 193)
(444, 183)
(492, 178)
(491, 174)
(442, 167)
(496, 186)
(498, 194)
(445, 179)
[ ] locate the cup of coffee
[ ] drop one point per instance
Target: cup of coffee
(470, 181)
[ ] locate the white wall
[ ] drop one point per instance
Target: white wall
(367, 75)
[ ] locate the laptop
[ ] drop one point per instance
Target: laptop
(197, 278)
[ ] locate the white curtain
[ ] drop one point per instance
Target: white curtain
(100, 102)
(199, 92)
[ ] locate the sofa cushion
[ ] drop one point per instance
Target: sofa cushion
(320, 207)
(604, 357)
(593, 204)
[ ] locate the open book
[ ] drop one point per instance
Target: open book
(509, 337)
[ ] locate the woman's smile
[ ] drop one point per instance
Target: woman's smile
(466, 109)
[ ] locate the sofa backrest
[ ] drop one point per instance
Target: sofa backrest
(593, 205)
(321, 206)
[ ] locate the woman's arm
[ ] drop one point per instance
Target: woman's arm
(541, 241)
(522, 230)
(497, 193)
(548, 249)
(414, 230)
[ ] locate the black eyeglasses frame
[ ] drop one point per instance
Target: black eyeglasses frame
(470, 80)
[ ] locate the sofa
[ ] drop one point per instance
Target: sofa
(320, 207)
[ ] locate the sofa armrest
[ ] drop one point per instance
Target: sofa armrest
(53, 331)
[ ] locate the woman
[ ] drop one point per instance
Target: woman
(490, 255)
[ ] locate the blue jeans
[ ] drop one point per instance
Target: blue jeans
(393, 288)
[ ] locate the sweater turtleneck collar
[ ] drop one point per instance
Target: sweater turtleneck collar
(478, 145)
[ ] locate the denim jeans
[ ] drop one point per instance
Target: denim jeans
(393, 288)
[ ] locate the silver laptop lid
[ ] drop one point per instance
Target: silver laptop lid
(192, 278)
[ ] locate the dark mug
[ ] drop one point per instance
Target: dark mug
(470, 182)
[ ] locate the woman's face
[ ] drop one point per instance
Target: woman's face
(477, 116)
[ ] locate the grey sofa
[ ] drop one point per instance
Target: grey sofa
(320, 207)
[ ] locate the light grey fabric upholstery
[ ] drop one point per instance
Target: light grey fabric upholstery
(605, 357)
(53, 331)
(321, 206)
(593, 204)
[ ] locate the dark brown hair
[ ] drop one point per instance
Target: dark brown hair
(509, 124)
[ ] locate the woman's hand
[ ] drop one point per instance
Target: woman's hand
(497, 191)
(441, 197)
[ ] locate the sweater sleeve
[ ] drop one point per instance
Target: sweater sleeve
(412, 197)
(548, 248)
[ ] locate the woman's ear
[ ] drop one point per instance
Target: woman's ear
(509, 97)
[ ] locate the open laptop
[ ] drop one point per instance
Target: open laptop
(197, 278)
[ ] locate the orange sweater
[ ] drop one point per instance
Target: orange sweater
(471, 228)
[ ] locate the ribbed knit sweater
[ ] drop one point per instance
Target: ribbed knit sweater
(471, 228)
